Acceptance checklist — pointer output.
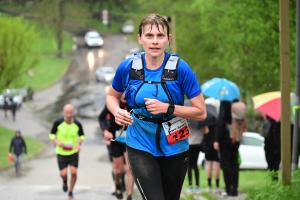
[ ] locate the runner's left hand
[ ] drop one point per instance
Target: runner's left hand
(155, 106)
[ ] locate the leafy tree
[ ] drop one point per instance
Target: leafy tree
(248, 42)
(238, 40)
(61, 14)
(17, 52)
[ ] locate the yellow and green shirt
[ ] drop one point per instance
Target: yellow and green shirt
(69, 134)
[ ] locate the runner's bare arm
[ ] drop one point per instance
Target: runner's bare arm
(197, 110)
(122, 117)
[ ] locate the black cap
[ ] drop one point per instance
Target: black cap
(18, 131)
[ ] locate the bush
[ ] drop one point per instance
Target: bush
(275, 190)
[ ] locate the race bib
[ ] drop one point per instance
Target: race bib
(68, 146)
(176, 130)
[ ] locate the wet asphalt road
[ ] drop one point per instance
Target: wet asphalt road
(40, 176)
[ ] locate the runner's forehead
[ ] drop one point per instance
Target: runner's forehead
(149, 28)
(68, 108)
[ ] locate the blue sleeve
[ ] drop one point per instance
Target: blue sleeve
(120, 80)
(188, 80)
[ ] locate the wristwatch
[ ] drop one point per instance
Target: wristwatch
(170, 109)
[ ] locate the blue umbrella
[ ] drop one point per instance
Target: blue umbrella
(221, 88)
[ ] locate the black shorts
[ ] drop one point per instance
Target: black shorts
(118, 149)
(212, 156)
(64, 161)
(109, 153)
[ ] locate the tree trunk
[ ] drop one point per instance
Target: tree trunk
(101, 7)
(59, 32)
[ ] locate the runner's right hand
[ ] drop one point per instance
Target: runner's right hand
(107, 136)
(59, 143)
(123, 117)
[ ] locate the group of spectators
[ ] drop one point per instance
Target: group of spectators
(221, 152)
(9, 104)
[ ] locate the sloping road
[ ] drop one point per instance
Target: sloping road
(40, 177)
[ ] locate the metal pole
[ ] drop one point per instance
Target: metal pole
(285, 91)
(296, 124)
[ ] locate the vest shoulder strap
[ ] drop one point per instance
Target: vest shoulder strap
(169, 72)
(137, 68)
(170, 69)
(172, 63)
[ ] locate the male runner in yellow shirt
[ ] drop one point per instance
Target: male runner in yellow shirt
(67, 134)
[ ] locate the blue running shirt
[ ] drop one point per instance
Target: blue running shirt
(141, 134)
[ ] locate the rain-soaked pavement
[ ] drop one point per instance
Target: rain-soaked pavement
(40, 176)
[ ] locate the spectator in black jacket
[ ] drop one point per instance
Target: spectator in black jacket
(18, 147)
(272, 145)
(228, 150)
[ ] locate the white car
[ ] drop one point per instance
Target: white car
(251, 151)
(105, 74)
(128, 27)
(93, 39)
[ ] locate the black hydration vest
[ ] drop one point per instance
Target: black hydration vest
(169, 73)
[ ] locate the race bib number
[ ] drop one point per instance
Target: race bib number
(176, 130)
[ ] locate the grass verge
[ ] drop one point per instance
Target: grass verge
(256, 184)
(275, 190)
(49, 70)
(249, 182)
(33, 146)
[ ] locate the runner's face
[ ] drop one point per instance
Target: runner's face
(154, 40)
(68, 114)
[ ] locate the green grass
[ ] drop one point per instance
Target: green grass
(46, 42)
(256, 184)
(249, 182)
(49, 67)
(270, 190)
(6, 135)
(49, 70)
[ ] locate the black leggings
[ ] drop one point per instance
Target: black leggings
(230, 166)
(193, 154)
(158, 178)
